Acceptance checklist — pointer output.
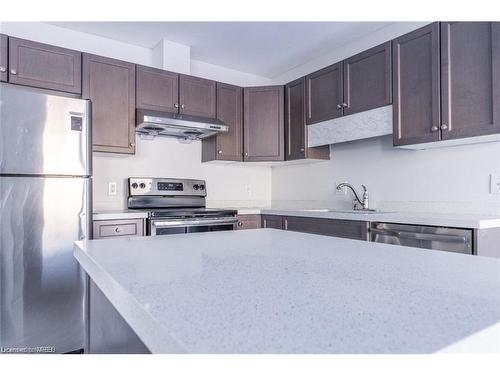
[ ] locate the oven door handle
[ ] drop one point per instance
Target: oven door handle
(189, 223)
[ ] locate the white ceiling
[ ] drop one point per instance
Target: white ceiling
(266, 49)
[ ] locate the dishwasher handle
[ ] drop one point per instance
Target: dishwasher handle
(422, 236)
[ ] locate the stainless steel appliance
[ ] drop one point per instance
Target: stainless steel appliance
(425, 237)
(45, 205)
(153, 123)
(177, 206)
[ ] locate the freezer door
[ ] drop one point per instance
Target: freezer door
(41, 284)
(43, 134)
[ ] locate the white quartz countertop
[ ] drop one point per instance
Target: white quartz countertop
(120, 214)
(272, 291)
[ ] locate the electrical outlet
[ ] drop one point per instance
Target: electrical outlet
(342, 191)
(111, 188)
(495, 183)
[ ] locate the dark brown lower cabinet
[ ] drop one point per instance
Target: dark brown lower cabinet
(110, 85)
(42, 65)
(249, 222)
(272, 221)
(263, 123)
(3, 57)
(356, 230)
(470, 79)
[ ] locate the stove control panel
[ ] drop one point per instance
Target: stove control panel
(139, 186)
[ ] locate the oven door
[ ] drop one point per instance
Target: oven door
(157, 227)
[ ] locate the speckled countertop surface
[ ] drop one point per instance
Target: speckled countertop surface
(271, 291)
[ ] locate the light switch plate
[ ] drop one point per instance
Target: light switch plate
(495, 183)
(112, 188)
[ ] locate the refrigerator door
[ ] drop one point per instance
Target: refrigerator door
(43, 134)
(41, 283)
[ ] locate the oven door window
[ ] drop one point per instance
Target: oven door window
(209, 228)
(163, 231)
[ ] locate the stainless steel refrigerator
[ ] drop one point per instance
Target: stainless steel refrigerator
(45, 205)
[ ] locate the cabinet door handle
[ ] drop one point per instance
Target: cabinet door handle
(246, 153)
(2, 69)
(286, 224)
(13, 72)
(339, 106)
(240, 224)
(444, 127)
(434, 128)
(182, 106)
(132, 144)
(176, 105)
(344, 105)
(220, 152)
(302, 149)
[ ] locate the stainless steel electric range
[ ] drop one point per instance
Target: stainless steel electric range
(177, 206)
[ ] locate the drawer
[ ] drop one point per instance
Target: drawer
(353, 229)
(248, 222)
(118, 228)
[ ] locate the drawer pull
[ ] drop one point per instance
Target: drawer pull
(118, 229)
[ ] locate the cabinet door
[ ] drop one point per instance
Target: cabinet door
(45, 66)
(110, 85)
(368, 80)
(356, 230)
(263, 123)
(157, 90)
(324, 96)
(227, 146)
(3, 57)
(416, 109)
(249, 222)
(197, 96)
(470, 79)
(272, 221)
(295, 121)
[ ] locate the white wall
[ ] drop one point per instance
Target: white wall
(454, 179)
(228, 184)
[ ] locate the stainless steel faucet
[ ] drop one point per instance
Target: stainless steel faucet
(358, 204)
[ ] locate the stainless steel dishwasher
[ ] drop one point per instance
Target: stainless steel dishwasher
(424, 237)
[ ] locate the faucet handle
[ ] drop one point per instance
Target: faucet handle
(364, 188)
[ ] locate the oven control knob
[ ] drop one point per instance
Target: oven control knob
(196, 186)
(142, 185)
(134, 185)
(202, 187)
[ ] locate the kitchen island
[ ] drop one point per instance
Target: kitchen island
(272, 291)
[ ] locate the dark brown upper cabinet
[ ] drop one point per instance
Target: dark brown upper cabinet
(368, 80)
(470, 79)
(197, 96)
(110, 85)
(44, 66)
(416, 109)
(324, 94)
(295, 125)
(263, 123)
(157, 89)
(227, 146)
(3, 57)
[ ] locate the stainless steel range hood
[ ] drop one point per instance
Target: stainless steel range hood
(152, 123)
